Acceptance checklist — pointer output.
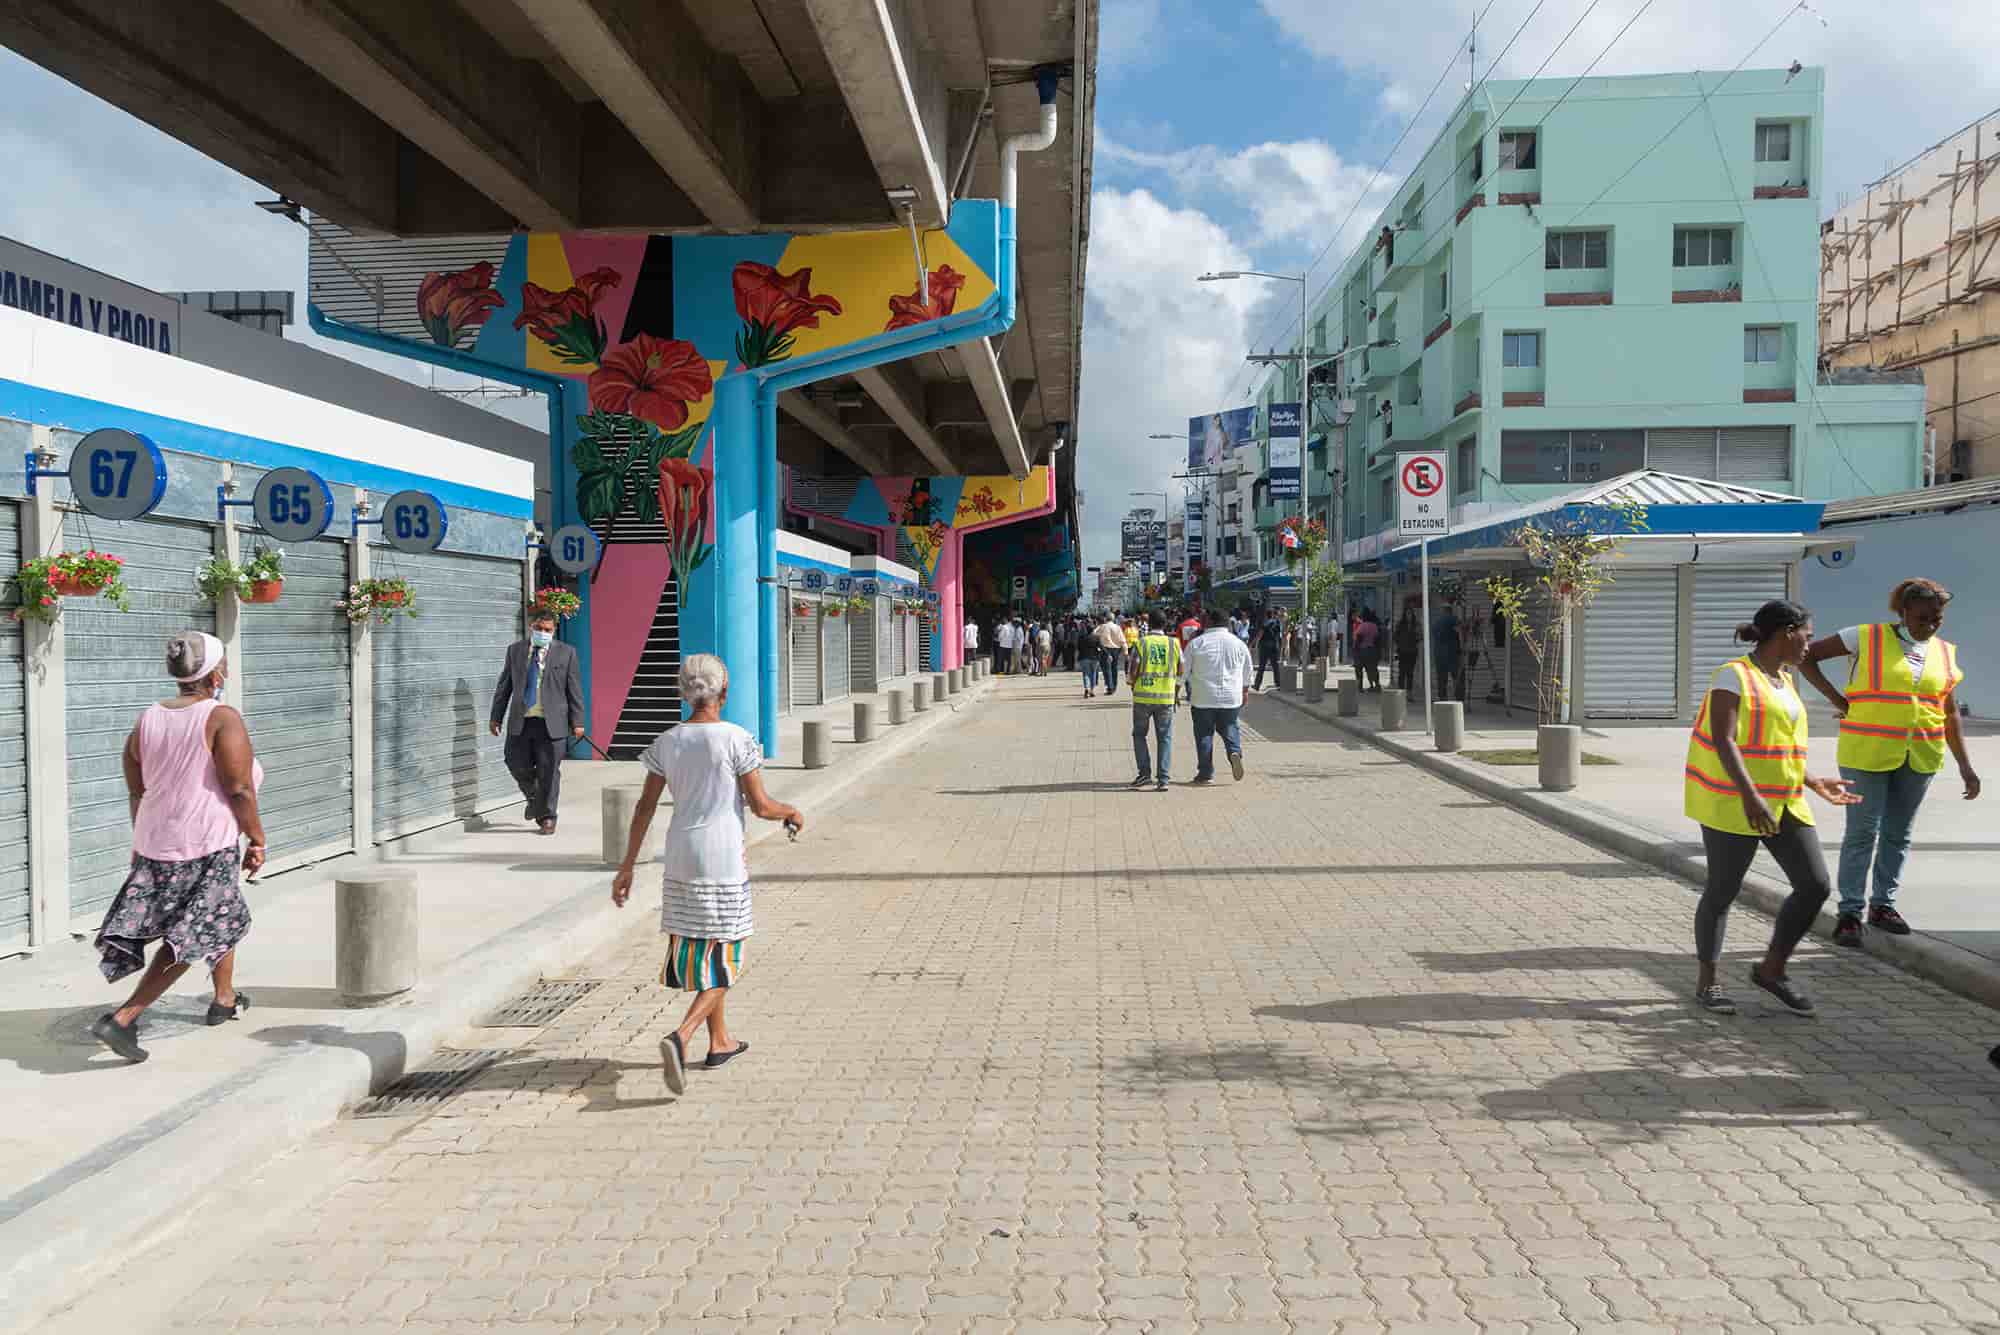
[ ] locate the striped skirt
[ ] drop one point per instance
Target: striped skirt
(697, 963)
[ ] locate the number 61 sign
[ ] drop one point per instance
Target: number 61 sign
(117, 474)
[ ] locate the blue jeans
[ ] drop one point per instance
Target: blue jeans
(1878, 830)
(1089, 665)
(1208, 722)
(1108, 659)
(1161, 717)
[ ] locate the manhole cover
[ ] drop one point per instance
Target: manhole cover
(540, 1004)
(169, 1017)
(449, 1071)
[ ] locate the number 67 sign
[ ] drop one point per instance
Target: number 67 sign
(117, 474)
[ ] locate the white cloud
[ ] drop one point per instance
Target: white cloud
(1158, 348)
(1898, 78)
(1127, 33)
(1298, 190)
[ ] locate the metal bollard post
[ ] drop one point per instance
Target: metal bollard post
(1350, 698)
(1315, 684)
(899, 707)
(864, 720)
(920, 696)
(1448, 724)
(618, 803)
(1395, 707)
(816, 749)
(374, 937)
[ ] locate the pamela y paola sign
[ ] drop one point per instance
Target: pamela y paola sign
(55, 289)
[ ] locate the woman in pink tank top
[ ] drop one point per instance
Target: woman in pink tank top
(193, 784)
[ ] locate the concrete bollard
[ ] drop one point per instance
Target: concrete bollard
(1288, 677)
(817, 749)
(1395, 707)
(899, 707)
(957, 680)
(1315, 684)
(375, 937)
(1559, 755)
(1448, 724)
(1350, 698)
(864, 720)
(619, 802)
(920, 696)
(938, 691)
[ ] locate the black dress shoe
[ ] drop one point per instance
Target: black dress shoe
(224, 1014)
(121, 1039)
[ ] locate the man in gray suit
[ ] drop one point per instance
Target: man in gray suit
(540, 696)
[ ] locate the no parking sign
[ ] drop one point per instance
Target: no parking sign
(1425, 510)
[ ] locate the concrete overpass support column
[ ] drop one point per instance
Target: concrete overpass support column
(729, 626)
(768, 627)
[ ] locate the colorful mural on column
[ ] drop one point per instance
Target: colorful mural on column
(1042, 553)
(639, 332)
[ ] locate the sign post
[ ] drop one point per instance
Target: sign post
(1424, 512)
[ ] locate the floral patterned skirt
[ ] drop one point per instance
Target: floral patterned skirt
(194, 906)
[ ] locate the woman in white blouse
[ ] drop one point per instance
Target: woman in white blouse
(715, 772)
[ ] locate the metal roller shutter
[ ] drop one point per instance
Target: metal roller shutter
(1687, 451)
(906, 646)
(861, 645)
(833, 641)
(116, 666)
(298, 702)
(926, 645)
(1724, 598)
(16, 897)
(1631, 647)
(805, 652)
(1756, 454)
(888, 635)
(434, 678)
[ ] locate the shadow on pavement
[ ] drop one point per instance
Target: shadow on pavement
(1588, 871)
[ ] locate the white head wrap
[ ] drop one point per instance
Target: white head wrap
(211, 657)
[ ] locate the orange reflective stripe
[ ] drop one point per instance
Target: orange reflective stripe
(1728, 789)
(1888, 697)
(1930, 734)
(1871, 730)
(1756, 752)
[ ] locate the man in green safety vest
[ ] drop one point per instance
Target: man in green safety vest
(1155, 680)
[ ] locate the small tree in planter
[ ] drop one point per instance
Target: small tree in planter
(380, 600)
(261, 579)
(40, 583)
(1570, 557)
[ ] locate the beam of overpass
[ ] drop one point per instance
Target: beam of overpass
(989, 382)
(795, 405)
(502, 124)
(893, 94)
(901, 395)
(692, 109)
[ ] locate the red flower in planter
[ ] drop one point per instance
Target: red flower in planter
(944, 285)
(653, 378)
(684, 493)
(449, 304)
(567, 320)
(772, 305)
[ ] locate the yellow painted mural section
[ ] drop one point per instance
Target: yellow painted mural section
(862, 270)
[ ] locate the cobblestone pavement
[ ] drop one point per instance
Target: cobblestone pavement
(1341, 1047)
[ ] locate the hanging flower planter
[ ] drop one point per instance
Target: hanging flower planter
(556, 601)
(801, 608)
(40, 582)
(261, 579)
(834, 609)
(265, 590)
(382, 600)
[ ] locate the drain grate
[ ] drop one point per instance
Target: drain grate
(540, 1004)
(450, 1071)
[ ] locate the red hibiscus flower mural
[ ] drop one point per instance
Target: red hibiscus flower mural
(454, 304)
(651, 378)
(772, 305)
(684, 493)
(981, 504)
(944, 284)
(567, 320)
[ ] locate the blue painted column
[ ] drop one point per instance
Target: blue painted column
(730, 620)
(767, 570)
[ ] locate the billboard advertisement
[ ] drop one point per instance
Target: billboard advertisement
(1285, 451)
(1135, 539)
(1213, 437)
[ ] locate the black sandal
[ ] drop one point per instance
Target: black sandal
(715, 1059)
(122, 1039)
(224, 1014)
(673, 1063)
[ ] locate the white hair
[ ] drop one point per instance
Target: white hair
(703, 680)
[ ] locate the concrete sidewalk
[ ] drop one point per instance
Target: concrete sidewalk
(1634, 808)
(96, 1153)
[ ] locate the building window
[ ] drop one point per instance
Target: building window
(1444, 292)
(1235, 513)
(1774, 141)
(1517, 150)
(1698, 247)
(1597, 455)
(1576, 250)
(1521, 349)
(1466, 461)
(1763, 344)
(1540, 457)
(1229, 545)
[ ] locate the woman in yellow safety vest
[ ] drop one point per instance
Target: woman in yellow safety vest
(1899, 713)
(1746, 782)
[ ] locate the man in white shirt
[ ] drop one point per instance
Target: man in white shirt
(1003, 639)
(1216, 668)
(1108, 642)
(971, 639)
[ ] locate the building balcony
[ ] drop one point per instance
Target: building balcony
(1468, 401)
(1576, 298)
(1701, 296)
(1523, 398)
(1442, 328)
(1781, 192)
(1477, 201)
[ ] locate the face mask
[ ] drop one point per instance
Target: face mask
(541, 638)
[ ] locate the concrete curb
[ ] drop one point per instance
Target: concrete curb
(1951, 967)
(119, 1198)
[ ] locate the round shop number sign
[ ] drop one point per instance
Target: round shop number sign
(413, 521)
(292, 505)
(574, 549)
(117, 474)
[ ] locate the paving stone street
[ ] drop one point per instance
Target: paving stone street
(1338, 1048)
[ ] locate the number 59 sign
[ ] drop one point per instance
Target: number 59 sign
(117, 474)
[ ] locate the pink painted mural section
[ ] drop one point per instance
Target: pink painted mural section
(632, 578)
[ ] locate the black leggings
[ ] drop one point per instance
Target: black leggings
(1795, 847)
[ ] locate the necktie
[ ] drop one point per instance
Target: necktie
(534, 676)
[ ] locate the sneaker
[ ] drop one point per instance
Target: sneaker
(1203, 779)
(1160, 787)
(1847, 930)
(1713, 998)
(1890, 921)
(1142, 781)
(121, 1039)
(1782, 989)
(1236, 766)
